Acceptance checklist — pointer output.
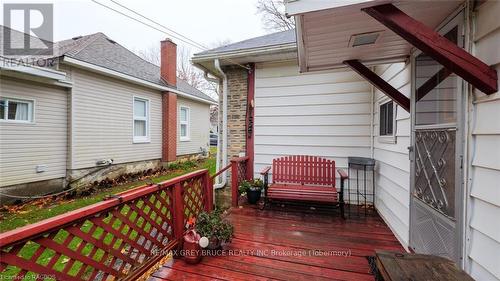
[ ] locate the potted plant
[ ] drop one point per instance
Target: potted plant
(191, 243)
(215, 228)
(253, 190)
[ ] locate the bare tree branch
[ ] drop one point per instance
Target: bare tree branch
(273, 15)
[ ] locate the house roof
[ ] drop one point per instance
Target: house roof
(278, 46)
(273, 39)
(98, 49)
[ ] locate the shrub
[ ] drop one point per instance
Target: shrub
(213, 225)
(254, 185)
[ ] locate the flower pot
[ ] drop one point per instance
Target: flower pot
(214, 243)
(253, 196)
(191, 247)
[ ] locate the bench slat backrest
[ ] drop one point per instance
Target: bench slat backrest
(304, 169)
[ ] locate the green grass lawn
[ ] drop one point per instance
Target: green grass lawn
(31, 214)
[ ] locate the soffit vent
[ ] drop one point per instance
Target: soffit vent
(364, 39)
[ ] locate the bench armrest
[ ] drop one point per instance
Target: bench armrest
(265, 170)
(343, 177)
(343, 174)
(265, 175)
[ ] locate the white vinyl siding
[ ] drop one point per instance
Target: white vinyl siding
(323, 114)
(198, 128)
(24, 145)
(103, 120)
(392, 181)
(483, 250)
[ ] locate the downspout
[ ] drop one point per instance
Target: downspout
(221, 180)
(218, 156)
(372, 113)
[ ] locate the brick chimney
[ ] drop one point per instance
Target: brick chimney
(168, 67)
(168, 72)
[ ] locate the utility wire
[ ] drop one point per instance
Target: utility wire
(179, 37)
(198, 45)
(139, 21)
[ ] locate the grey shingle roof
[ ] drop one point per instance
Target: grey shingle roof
(278, 38)
(98, 49)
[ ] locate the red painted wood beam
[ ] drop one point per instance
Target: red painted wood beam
(250, 141)
(430, 84)
(436, 46)
(379, 83)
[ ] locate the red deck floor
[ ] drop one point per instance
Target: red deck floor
(281, 244)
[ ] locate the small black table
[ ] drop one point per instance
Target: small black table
(361, 183)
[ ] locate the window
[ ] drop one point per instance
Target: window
(16, 110)
(141, 120)
(436, 104)
(184, 123)
(387, 119)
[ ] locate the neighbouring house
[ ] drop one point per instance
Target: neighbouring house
(97, 112)
(371, 79)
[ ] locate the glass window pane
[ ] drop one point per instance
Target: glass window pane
(390, 117)
(18, 111)
(2, 110)
(436, 90)
(183, 130)
(184, 113)
(139, 108)
(382, 119)
(139, 128)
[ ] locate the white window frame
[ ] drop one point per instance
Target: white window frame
(31, 110)
(140, 139)
(388, 138)
(187, 137)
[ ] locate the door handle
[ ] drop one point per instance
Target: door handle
(410, 152)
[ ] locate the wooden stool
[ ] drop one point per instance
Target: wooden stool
(416, 267)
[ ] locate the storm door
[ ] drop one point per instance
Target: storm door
(437, 147)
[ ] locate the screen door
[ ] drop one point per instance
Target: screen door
(437, 145)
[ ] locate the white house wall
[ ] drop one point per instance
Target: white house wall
(483, 249)
(322, 113)
(103, 120)
(199, 127)
(392, 179)
(43, 142)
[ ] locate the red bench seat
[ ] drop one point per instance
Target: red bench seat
(304, 178)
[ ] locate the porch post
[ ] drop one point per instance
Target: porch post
(437, 47)
(250, 141)
(234, 183)
(178, 215)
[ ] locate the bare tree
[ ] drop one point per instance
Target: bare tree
(151, 54)
(273, 15)
(192, 75)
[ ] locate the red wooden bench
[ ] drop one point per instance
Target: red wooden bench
(305, 178)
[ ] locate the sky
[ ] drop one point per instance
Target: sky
(205, 21)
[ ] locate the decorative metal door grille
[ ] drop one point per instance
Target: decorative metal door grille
(435, 169)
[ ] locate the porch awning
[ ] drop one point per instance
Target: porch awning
(331, 32)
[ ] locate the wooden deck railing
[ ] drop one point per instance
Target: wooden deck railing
(118, 238)
(239, 173)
